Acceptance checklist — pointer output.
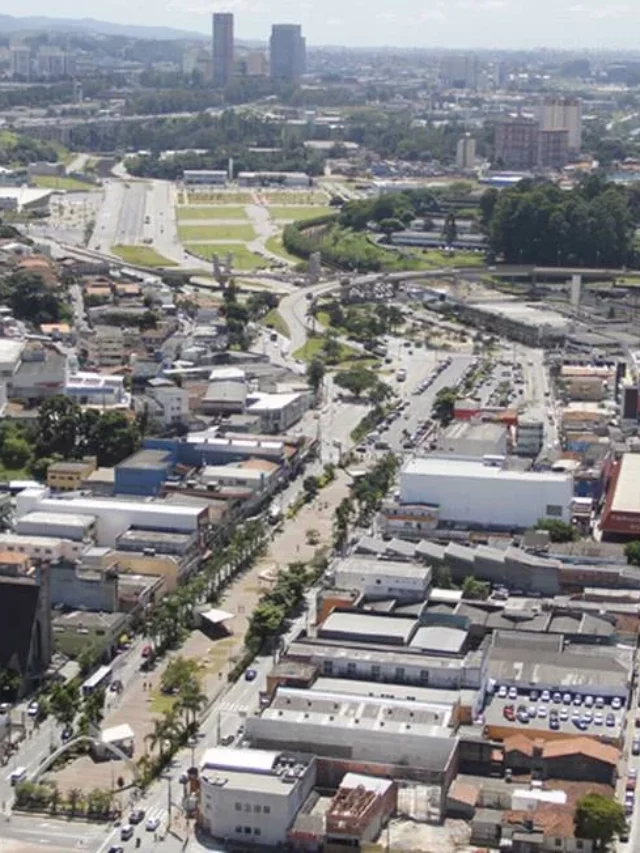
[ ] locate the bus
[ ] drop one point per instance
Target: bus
(100, 678)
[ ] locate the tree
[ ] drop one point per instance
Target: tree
(59, 420)
(390, 226)
(74, 798)
(191, 701)
(331, 348)
(598, 818)
(475, 589)
(443, 405)
(450, 230)
(64, 702)
(30, 299)
(315, 373)
(341, 521)
(356, 380)
(379, 392)
(112, 437)
(15, 453)
(632, 552)
(559, 531)
(266, 621)
(179, 673)
(311, 487)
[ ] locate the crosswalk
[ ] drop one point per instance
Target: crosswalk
(157, 813)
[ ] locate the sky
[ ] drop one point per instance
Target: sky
(500, 24)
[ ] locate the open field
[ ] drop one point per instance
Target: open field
(313, 347)
(243, 259)
(218, 197)
(208, 212)
(274, 320)
(274, 244)
(295, 213)
(53, 182)
(243, 233)
(142, 255)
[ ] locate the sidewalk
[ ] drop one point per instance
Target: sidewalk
(139, 707)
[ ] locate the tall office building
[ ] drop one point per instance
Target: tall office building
(558, 113)
(521, 144)
(222, 48)
(20, 59)
(459, 72)
(466, 153)
(288, 52)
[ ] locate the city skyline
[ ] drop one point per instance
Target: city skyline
(462, 24)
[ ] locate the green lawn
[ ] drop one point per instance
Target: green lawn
(207, 212)
(287, 197)
(436, 258)
(143, 256)
(274, 320)
(216, 232)
(243, 259)
(297, 214)
(161, 703)
(313, 347)
(51, 182)
(274, 244)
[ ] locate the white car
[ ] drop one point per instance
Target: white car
(33, 709)
(502, 692)
(616, 703)
(564, 715)
(598, 719)
(545, 696)
(542, 711)
(152, 824)
(513, 693)
(588, 701)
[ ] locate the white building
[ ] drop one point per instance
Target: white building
(251, 795)
(383, 578)
(168, 404)
(115, 515)
(10, 356)
(474, 491)
(59, 525)
(46, 548)
(466, 153)
(388, 731)
(277, 412)
(94, 389)
(254, 478)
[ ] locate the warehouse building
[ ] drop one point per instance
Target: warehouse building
(621, 514)
(481, 492)
(382, 578)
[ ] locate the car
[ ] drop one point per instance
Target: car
(624, 833)
(580, 724)
(554, 724)
(152, 824)
(599, 702)
(542, 711)
(115, 686)
(545, 696)
(556, 698)
(587, 716)
(633, 771)
(566, 698)
(533, 695)
(126, 832)
(136, 816)
(598, 719)
(5, 707)
(635, 747)
(577, 701)
(507, 712)
(588, 701)
(147, 651)
(116, 848)
(616, 703)
(513, 693)
(532, 711)
(250, 675)
(33, 709)
(610, 720)
(67, 732)
(563, 714)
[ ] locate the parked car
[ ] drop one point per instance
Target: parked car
(152, 824)
(136, 816)
(126, 832)
(616, 703)
(250, 675)
(635, 747)
(33, 709)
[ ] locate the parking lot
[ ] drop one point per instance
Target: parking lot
(546, 711)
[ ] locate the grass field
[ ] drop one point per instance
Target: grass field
(216, 232)
(213, 197)
(274, 320)
(436, 258)
(207, 212)
(294, 214)
(51, 182)
(142, 255)
(313, 347)
(274, 244)
(243, 259)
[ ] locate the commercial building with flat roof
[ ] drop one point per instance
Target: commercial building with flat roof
(621, 514)
(382, 578)
(478, 492)
(252, 796)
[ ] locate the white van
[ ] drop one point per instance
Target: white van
(18, 775)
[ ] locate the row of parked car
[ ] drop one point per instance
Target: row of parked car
(557, 698)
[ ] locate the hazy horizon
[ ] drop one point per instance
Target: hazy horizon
(455, 24)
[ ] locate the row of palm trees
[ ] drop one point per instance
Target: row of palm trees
(97, 803)
(174, 615)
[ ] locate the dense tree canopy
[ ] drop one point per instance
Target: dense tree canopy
(536, 222)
